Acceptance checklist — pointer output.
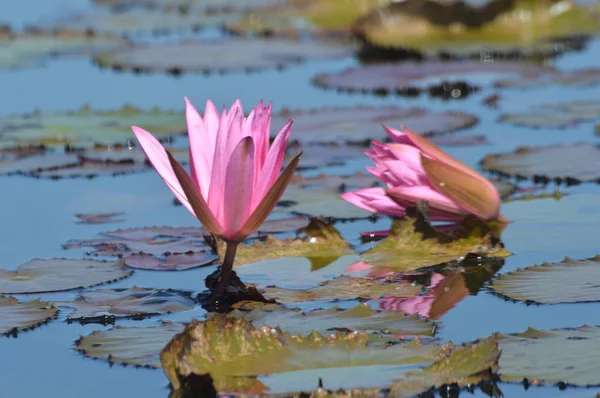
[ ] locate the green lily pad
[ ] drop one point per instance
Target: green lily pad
(137, 346)
(361, 124)
(86, 127)
(320, 196)
(231, 54)
(578, 162)
(172, 262)
(411, 78)
(99, 218)
(35, 46)
(570, 281)
(359, 318)
(16, 316)
(491, 29)
(551, 356)
(344, 287)
(58, 274)
(558, 115)
(132, 302)
(413, 244)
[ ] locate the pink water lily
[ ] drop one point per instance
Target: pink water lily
(235, 176)
(414, 169)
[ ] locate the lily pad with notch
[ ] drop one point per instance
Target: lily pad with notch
(58, 274)
(102, 304)
(231, 54)
(569, 281)
(18, 316)
(579, 162)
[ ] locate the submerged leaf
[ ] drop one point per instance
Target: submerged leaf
(16, 316)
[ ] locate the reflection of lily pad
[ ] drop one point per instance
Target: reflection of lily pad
(551, 356)
(135, 301)
(173, 262)
(570, 281)
(558, 115)
(410, 78)
(53, 275)
(360, 124)
(412, 245)
(16, 316)
(344, 288)
(219, 55)
(86, 127)
(359, 318)
(138, 346)
(580, 162)
(35, 46)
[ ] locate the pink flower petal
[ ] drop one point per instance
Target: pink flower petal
(201, 153)
(410, 195)
(374, 200)
(217, 178)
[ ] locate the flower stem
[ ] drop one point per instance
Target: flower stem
(227, 267)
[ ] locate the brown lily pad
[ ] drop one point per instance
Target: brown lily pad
(447, 79)
(172, 262)
(17, 316)
(132, 302)
(58, 274)
(219, 55)
(571, 163)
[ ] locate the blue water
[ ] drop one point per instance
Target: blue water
(37, 216)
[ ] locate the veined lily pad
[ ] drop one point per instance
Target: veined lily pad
(219, 55)
(551, 356)
(173, 262)
(570, 281)
(35, 46)
(137, 346)
(53, 275)
(16, 316)
(360, 124)
(558, 115)
(578, 162)
(99, 218)
(447, 79)
(132, 302)
(344, 288)
(413, 244)
(359, 318)
(86, 127)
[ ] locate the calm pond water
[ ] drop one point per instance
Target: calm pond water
(37, 216)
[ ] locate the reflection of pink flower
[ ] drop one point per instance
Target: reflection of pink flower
(415, 305)
(415, 169)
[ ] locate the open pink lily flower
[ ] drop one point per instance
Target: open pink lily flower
(414, 169)
(235, 176)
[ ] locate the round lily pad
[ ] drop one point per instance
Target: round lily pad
(549, 357)
(173, 262)
(572, 163)
(558, 115)
(16, 316)
(570, 281)
(137, 346)
(132, 302)
(15, 161)
(361, 124)
(35, 46)
(87, 127)
(570, 78)
(57, 274)
(232, 54)
(448, 79)
(86, 168)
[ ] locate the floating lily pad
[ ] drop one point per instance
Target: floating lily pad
(504, 188)
(287, 224)
(448, 79)
(137, 346)
(551, 356)
(559, 115)
(99, 218)
(344, 288)
(12, 162)
(57, 274)
(487, 29)
(359, 318)
(413, 244)
(219, 55)
(86, 168)
(320, 196)
(578, 162)
(16, 316)
(570, 281)
(323, 155)
(213, 6)
(132, 302)
(86, 127)
(173, 262)
(571, 78)
(33, 47)
(361, 124)
(459, 140)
